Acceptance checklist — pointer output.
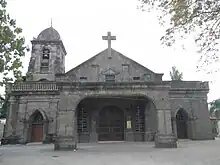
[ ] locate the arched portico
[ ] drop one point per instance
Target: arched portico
(78, 115)
(137, 115)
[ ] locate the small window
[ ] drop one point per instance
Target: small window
(83, 78)
(110, 78)
(147, 77)
(136, 78)
(125, 67)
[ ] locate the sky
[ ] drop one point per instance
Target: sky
(82, 24)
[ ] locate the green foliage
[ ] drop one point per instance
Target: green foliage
(12, 47)
(201, 18)
(214, 109)
(175, 74)
(4, 107)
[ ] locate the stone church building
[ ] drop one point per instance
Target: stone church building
(109, 97)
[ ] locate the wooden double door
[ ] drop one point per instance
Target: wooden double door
(37, 133)
(111, 124)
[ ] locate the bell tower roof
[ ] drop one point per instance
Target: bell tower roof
(49, 34)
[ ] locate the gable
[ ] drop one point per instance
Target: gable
(123, 67)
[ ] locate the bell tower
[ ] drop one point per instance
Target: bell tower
(47, 56)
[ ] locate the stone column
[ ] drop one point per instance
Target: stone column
(146, 123)
(66, 136)
(164, 137)
(93, 134)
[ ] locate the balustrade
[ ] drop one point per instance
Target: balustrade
(29, 86)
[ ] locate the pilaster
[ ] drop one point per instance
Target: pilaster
(66, 138)
(164, 137)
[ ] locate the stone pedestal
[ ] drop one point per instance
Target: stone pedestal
(164, 137)
(165, 141)
(149, 136)
(129, 136)
(65, 143)
(93, 137)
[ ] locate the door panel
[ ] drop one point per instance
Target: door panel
(111, 124)
(37, 133)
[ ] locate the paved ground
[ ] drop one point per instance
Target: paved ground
(188, 153)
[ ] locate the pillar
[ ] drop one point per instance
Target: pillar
(164, 137)
(93, 134)
(66, 134)
(150, 121)
(147, 134)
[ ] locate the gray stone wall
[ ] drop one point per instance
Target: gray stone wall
(27, 105)
(97, 67)
(56, 61)
(195, 104)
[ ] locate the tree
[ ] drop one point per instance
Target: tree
(3, 107)
(184, 18)
(214, 109)
(175, 74)
(12, 47)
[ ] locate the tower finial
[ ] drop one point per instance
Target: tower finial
(51, 22)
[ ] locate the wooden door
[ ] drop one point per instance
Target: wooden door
(111, 124)
(37, 133)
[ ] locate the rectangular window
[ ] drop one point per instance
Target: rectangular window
(136, 78)
(83, 78)
(110, 78)
(125, 67)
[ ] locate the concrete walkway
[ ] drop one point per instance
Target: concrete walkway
(187, 153)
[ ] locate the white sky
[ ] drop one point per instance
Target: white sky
(82, 23)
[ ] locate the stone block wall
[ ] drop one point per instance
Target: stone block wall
(27, 105)
(194, 102)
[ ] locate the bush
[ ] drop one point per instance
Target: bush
(12, 139)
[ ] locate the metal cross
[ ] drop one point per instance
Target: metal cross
(109, 38)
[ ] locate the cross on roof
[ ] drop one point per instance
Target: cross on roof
(109, 38)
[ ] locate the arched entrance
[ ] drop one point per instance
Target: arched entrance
(111, 124)
(182, 124)
(37, 127)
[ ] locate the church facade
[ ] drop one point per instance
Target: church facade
(109, 97)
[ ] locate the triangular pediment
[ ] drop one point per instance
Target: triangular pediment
(100, 65)
(110, 71)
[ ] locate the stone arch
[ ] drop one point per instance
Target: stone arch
(38, 126)
(147, 134)
(41, 112)
(46, 47)
(119, 95)
(43, 80)
(182, 124)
